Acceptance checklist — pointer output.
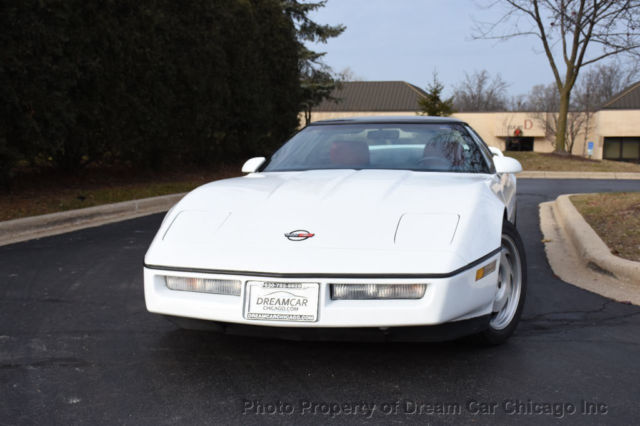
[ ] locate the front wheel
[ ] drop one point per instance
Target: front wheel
(511, 288)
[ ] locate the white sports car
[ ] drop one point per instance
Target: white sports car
(398, 228)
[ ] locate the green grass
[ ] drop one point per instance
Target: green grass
(616, 219)
(536, 161)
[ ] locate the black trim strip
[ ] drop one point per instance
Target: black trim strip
(387, 120)
(324, 275)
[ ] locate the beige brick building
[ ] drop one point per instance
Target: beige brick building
(614, 128)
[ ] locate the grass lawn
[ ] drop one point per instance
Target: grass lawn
(616, 219)
(532, 161)
(46, 193)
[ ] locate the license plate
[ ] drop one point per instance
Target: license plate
(275, 301)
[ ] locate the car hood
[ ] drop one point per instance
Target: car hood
(362, 221)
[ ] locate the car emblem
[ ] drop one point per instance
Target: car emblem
(299, 235)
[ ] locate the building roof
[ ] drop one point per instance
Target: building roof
(373, 96)
(415, 119)
(629, 98)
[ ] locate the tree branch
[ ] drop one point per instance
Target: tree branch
(545, 43)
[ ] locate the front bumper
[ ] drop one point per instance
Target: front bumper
(455, 298)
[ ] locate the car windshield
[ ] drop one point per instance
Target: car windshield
(446, 147)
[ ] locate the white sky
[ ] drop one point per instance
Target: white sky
(407, 39)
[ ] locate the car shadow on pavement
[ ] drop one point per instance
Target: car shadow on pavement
(205, 354)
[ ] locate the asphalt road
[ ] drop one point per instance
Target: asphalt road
(78, 347)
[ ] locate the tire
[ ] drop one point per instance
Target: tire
(511, 292)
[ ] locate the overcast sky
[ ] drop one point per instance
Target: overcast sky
(407, 39)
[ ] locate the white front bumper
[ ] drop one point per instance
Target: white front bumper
(455, 298)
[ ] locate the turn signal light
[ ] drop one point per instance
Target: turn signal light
(485, 270)
(202, 285)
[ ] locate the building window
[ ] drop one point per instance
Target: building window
(622, 149)
(519, 144)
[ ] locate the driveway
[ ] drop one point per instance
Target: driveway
(78, 347)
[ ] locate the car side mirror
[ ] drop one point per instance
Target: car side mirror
(496, 152)
(253, 164)
(507, 165)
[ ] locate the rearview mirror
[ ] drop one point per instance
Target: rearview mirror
(507, 165)
(253, 164)
(383, 134)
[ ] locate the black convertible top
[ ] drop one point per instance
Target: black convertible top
(416, 119)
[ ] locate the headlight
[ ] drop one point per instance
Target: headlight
(377, 291)
(202, 285)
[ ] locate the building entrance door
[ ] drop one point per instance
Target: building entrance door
(519, 144)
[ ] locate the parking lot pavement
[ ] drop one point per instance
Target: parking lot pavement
(78, 347)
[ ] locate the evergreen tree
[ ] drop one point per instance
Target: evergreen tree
(433, 104)
(150, 83)
(316, 78)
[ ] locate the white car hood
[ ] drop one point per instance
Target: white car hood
(368, 221)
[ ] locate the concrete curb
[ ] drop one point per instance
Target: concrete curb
(13, 231)
(590, 246)
(578, 175)
(571, 267)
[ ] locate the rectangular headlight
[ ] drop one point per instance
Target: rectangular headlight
(204, 285)
(377, 291)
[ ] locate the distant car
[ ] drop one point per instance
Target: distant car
(399, 228)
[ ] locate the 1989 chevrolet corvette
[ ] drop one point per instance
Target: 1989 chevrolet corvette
(398, 228)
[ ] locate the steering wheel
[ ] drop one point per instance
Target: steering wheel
(433, 162)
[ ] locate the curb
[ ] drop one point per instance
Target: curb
(16, 230)
(590, 246)
(578, 175)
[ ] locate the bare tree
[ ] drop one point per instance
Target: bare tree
(598, 85)
(609, 27)
(347, 74)
(543, 98)
(543, 102)
(518, 103)
(479, 92)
